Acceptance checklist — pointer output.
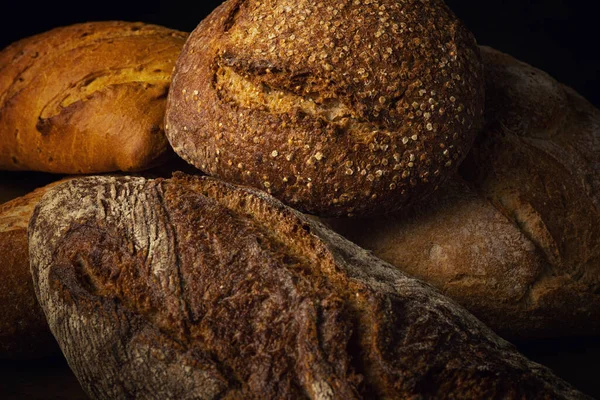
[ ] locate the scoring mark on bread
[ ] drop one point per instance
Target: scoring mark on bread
(230, 19)
(251, 92)
(83, 90)
(91, 36)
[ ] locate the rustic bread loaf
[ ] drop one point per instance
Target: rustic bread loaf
(24, 331)
(194, 288)
(335, 108)
(86, 98)
(516, 238)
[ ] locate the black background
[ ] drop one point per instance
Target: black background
(558, 36)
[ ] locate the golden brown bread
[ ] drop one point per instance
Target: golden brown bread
(193, 288)
(86, 98)
(24, 332)
(335, 108)
(516, 238)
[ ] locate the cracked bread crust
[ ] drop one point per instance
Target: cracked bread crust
(87, 98)
(516, 238)
(194, 288)
(334, 108)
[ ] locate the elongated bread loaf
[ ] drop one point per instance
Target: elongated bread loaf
(86, 98)
(335, 108)
(24, 332)
(516, 237)
(192, 288)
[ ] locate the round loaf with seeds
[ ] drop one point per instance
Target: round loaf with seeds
(333, 107)
(515, 237)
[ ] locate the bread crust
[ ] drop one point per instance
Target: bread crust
(86, 98)
(515, 238)
(334, 108)
(194, 288)
(24, 332)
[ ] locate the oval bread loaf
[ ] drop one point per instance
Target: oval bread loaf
(24, 332)
(192, 288)
(86, 98)
(516, 237)
(333, 107)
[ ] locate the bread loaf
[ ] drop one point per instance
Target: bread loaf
(86, 98)
(516, 237)
(24, 333)
(335, 108)
(192, 288)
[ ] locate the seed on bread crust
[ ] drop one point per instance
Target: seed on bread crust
(322, 84)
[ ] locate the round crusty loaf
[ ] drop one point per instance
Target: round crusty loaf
(24, 332)
(516, 238)
(333, 107)
(192, 288)
(86, 98)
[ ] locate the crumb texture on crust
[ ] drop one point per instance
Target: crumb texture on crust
(335, 108)
(194, 288)
(515, 237)
(86, 98)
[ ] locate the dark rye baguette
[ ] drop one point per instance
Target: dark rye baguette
(191, 288)
(24, 332)
(335, 108)
(87, 98)
(515, 238)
